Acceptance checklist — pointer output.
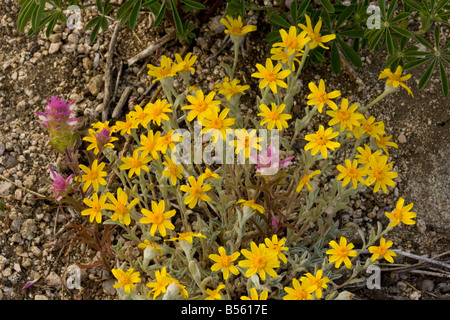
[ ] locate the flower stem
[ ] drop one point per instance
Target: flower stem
(377, 99)
(236, 55)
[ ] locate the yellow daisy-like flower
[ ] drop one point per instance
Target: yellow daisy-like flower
(94, 175)
(188, 61)
(187, 236)
(305, 180)
(147, 244)
(236, 29)
(291, 42)
(159, 219)
(126, 279)
(299, 291)
(172, 170)
(260, 260)
(395, 79)
(317, 280)
(150, 143)
(163, 279)
(135, 164)
(209, 174)
(352, 173)
(321, 141)
(120, 206)
(279, 54)
(274, 117)
(271, 76)
(230, 88)
(277, 245)
(314, 33)
(125, 126)
(372, 128)
(382, 250)
(157, 111)
(345, 116)
(167, 141)
(254, 295)
(401, 214)
(224, 262)
(196, 191)
(378, 172)
(96, 206)
(99, 126)
(167, 69)
(201, 107)
(246, 141)
(100, 140)
(365, 154)
(319, 97)
(341, 253)
(252, 204)
(217, 124)
(141, 116)
(383, 142)
(214, 294)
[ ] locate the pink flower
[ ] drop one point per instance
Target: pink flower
(60, 185)
(58, 114)
(270, 163)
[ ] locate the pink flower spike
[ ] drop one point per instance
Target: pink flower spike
(270, 163)
(30, 283)
(60, 185)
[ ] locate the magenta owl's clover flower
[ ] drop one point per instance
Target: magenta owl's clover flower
(270, 163)
(61, 186)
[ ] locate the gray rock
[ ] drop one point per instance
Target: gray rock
(28, 229)
(54, 47)
(55, 37)
(2, 148)
(4, 187)
(11, 162)
(53, 280)
(73, 38)
(95, 85)
(108, 288)
(427, 285)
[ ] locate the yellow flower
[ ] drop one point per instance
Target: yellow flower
(135, 164)
(291, 42)
(247, 141)
(372, 128)
(383, 142)
(120, 206)
(157, 111)
(279, 54)
(346, 117)
(99, 126)
(260, 259)
(158, 218)
(217, 124)
(277, 245)
(209, 174)
(172, 170)
(379, 173)
(99, 141)
(201, 106)
(224, 262)
(395, 79)
(305, 180)
(188, 60)
(230, 88)
(150, 143)
(167, 69)
(196, 191)
(96, 206)
(365, 154)
(319, 97)
(318, 281)
(382, 250)
(401, 214)
(141, 116)
(271, 76)
(299, 291)
(167, 141)
(341, 253)
(352, 173)
(321, 141)
(126, 279)
(94, 175)
(214, 294)
(251, 203)
(314, 33)
(125, 126)
(236, 29)
(187, 236)
(254, 295)
(160, 285)
(274, 117)
(147, 244)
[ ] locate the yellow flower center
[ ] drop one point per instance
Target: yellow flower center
(378, 174)
(321, 140)
(157, 112)
(200, 106)
(271, 76)
(352, 173)
(121, 210)
(300, 294)
(381, 250)
(259, 262)
(247, 142)
(316, 37)
(225, 261)
(274, 116)
(321, 96)
(216, 124)
(158, 218)
(96, 207)
(342, 252)
(398, 214)
(368, 127)
(236, 30)
(136, 163)
(196, 191)
(125, 279)
(93, 175)
(343, 115)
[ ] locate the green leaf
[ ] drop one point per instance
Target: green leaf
(104, 23)
(161, 13)
(426, 76)
(335, 59)
(389, 42)
(194, 4)
(444, 79)
(351, 54)
(123, 11)
(391, 8)
(279, 21)
(345, 14)
(176, 17)
(401, 16)
(326, 19)
(402, 32)
(413, 4)
(51, 26)
(327, 5)
(135, 14)
(25, 14)
(352, 33)
(318, 55)
(302, 9)
(415, 63)
(91, 23)
(37, 15)
(437, 33)
(95, 31)
(424, 42)
(375, 39)
(294, 14)
(381, 5)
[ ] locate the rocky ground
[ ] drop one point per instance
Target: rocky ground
(35, 68)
